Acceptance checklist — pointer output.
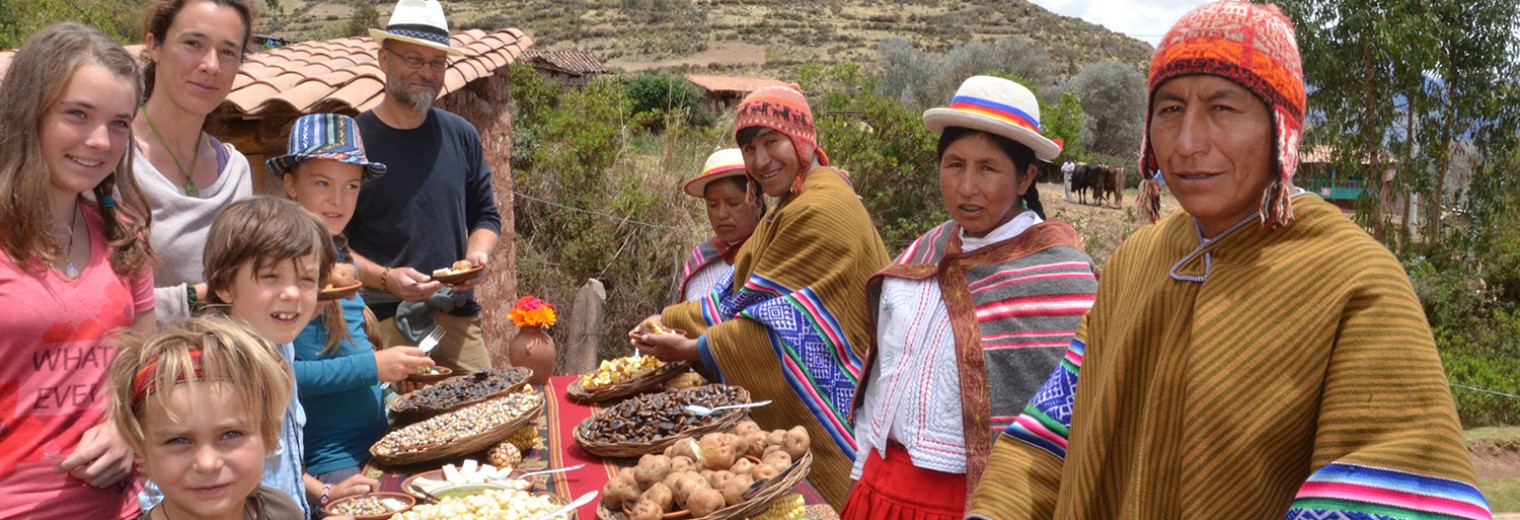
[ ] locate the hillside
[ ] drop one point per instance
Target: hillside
(738, 36)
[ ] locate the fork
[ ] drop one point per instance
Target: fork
(427, 345)
(430, 342)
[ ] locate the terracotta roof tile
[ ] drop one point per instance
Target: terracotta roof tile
(342, 74)
(738, 84)
(577, 62)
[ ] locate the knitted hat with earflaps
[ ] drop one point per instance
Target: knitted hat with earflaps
(783, 109)
(1254, 46)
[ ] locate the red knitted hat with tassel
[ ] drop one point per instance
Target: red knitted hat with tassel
(1252, 45)
(784, 109)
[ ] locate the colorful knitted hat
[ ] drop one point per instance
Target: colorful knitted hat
(334, 137)
(1252, 45)
(783, 109)
(728, 162)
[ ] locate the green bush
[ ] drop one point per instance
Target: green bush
(662, 93)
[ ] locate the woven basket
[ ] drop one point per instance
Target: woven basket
(666, 372)
(464, 446)
(635, 449)
(411, 416)
(756, 504)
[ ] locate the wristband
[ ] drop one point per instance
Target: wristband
(191, 301)
(325, 489)
(384, 280)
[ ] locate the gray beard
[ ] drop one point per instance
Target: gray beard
(418, 103)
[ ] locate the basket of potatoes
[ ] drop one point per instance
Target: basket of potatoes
(722, 476)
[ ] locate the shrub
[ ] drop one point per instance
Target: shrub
(662, 93)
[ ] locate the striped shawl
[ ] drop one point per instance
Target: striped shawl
(701, 256)
(1013, 308)
(790, 324)
(1297, 379)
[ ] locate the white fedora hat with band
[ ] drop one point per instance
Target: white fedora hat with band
(728, 162)
(420, 22)
(996, 106)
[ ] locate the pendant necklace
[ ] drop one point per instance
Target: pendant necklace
(190, 188)
(68, 254)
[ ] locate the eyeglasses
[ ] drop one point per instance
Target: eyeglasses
(415, 62)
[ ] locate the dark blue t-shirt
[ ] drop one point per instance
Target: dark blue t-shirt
(435, 192)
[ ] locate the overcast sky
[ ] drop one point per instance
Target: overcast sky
(1146, 20)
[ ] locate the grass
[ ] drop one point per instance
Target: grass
(1503, 492)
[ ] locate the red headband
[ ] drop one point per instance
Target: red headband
(143, 384)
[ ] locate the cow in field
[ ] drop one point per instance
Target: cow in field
(1103, 181)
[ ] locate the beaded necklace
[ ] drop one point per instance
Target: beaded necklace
(190, 188)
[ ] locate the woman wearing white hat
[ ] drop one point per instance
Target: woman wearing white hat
(734, 206)
(977, 311)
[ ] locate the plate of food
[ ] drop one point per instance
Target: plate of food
(457, 392)
(341, 283)
(427, 374)
(622, 377)
(371, 506)
(459, 272)
(461, 432)
(468, 473)
(649, 423)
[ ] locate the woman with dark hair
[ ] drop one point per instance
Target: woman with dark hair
(734, 206)
(193, 51)
(977, 311)
(76, 267)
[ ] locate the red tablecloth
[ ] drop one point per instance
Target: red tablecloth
(557, 449)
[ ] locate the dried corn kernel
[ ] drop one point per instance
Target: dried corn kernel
(525, 439)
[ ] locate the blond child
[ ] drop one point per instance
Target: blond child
(338, 371)
(201, 404)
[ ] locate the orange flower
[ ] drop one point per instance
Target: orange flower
(532, 312)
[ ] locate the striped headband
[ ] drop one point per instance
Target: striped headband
(143, 383)
(996, 110)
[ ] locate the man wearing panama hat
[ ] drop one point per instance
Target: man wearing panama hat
(434, 207)
(975, 313)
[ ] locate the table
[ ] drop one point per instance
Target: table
(557, 449)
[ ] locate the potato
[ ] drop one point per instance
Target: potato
(685, 448)
(613, 493)
(763, 471)
(704, 502)
(746, 427)
(733, 490)
(646, 510)
(775, 438)
(796, 442)
(670, 480)
(777, 459)
(686, 484)
(659, 494)
(651, 470)
(742, 467)
(769, 449)
(722, 457)
(754, 444)
(680, 464)
(720, 478)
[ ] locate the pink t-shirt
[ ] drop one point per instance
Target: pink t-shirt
(53, 379)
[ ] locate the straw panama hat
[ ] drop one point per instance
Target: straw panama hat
(996, 106)
(417, 21)
(728, 162)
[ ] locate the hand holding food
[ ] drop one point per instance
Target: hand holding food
(458, 268)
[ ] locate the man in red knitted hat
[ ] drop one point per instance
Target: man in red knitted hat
(1256, 355)
(791, 324)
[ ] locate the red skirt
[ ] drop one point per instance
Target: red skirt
(895, 489)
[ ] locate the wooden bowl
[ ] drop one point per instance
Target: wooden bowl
(338, 293)
(438, 374)
(332, 508)
(459, 276)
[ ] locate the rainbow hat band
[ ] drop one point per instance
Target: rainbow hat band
(996, 106)
(728, 162)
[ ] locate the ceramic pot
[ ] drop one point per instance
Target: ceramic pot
(532, 348)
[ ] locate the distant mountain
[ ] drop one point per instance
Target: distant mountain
(748, 36)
